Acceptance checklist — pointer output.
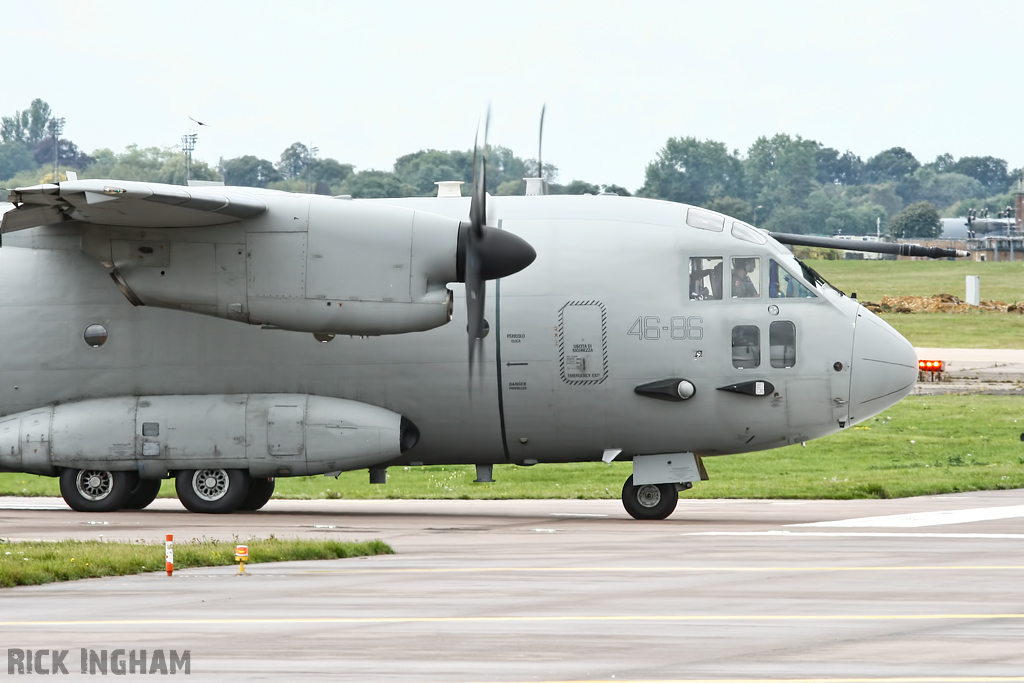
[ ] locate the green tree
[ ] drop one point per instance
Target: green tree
(331, 171)
(791, 219)
(781, 171)
(250, 171)
(920, 220)
(733, 206)
(616, 189)
(890, 165)
(369, 184)
(838, 169)
(152, 164)
(989, 171)
(293, 161)
(26, 126)
(424, 168)
(694, 172)
(68, 153)
(14, 158)
(575, 187)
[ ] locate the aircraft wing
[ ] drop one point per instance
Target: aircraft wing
(127, 203)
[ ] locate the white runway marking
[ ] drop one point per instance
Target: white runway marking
(31, 506)
(919, 519)
(576, 514)
(874, 534)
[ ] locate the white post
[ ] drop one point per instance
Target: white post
(974, 290)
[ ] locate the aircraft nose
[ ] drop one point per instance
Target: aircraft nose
(884, 367)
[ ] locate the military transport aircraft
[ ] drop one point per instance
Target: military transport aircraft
(225, 336)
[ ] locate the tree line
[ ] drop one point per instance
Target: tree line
(782, 183)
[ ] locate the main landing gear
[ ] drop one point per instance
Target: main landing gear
(208, 490)
(649, 501)
(97, 490)
(216, 491)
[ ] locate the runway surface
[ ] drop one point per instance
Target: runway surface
(922, 589)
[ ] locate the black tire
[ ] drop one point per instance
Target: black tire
(651, 501)
(94, 490)
(259, 493)
(143, 495)
(212, 490)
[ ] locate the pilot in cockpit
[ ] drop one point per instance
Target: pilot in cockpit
(742, 286)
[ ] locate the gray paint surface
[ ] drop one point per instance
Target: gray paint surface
(605, 307)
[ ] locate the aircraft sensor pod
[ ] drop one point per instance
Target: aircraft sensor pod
(674, 389)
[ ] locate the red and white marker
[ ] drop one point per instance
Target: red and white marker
(169, 553)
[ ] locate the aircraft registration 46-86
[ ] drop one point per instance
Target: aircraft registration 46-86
(226, 336)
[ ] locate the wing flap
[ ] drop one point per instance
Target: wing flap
(132, 204)
(31, 217)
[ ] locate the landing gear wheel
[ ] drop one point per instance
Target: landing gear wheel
(259, 493)
(214, 491)
(143, 495)
(650, 501)
(96, 490)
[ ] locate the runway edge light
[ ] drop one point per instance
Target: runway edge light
(241, 556)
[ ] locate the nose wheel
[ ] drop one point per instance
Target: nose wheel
(649, 501)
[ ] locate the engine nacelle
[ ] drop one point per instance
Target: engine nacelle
(266, 434)
(309, 264)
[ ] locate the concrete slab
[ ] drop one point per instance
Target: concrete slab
(560, 590)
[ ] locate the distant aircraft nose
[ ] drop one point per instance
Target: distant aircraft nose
(884, 367)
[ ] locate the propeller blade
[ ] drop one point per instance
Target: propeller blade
(476, 284)
(540, 146)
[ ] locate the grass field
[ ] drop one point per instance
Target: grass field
(923, 445)
(872, 280)
(28, 563)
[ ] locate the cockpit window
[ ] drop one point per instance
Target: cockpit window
(782, 285)
(705, 278)
(742, 231)
(746, 277)
(705, 220)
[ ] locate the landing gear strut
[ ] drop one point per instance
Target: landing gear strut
(649, 501)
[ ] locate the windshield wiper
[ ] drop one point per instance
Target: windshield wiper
(815, 278)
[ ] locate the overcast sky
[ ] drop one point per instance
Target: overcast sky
(368, 81)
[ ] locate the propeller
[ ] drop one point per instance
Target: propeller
(540, 145)
(476, 286)
(484, 252)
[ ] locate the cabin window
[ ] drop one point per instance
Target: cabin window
(782, 285)
(746, 346)
(705, 220)
(782, 344)
(95, 335)
(742, 231)
(746, 277)
(705, 278)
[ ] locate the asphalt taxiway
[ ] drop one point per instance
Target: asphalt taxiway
(919, 589)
